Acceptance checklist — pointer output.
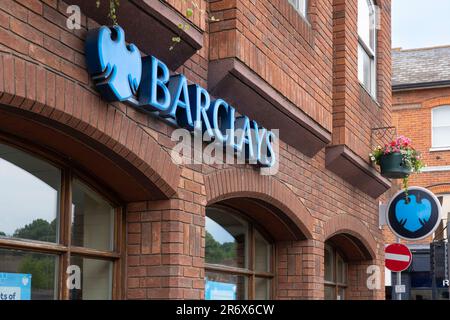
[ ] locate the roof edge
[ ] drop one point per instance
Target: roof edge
(444, 46)
(421, 85)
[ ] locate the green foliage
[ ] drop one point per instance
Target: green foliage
(113, 5)
(410, 156)
(216, 252)
(42, 270)
(189, 13)
(2, 234)
(39, 230)
(41, 267)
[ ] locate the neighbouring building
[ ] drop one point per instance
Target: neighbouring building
(88, 187)
(421, 111)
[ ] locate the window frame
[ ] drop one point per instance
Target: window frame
(372, 54)
(335, 284)
(63, 249)
(250, 271)
(433, 147)
(296, 6)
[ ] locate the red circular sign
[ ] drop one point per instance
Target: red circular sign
(397, 257)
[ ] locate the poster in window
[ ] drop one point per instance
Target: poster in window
(15, 286)
(220, 291)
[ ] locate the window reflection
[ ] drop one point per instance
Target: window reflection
(262, 253)
(330, 293)
(262, 288)
(335, 274)
(441, 127)
(226, 239)
(238, 258)
(29, 196)
(96, 279)
(93, 219)
(366, 22)
(329, 264)
(367, 45)
(225, 286)
(30, 199)
(37, 268)
(341, 270)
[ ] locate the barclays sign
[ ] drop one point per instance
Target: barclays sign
(120, 74)
(413, 216)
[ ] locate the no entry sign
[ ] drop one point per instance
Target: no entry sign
(397, 257)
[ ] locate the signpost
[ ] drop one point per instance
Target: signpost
(414, 216)
(398, 258)
(411, 216)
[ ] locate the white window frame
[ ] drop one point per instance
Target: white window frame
(296, 4)
(433, 146)
(371, 53)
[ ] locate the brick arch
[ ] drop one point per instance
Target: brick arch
(239, 184)
(55, 112)
(350, 233)
(442, 188)
(436, 102)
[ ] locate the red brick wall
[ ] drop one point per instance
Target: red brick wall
(292, 55)
(201, 16)
(355, 112)
(165, 249)
(165, 239)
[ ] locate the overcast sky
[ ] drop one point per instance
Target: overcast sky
(420, 23)
(23, 198)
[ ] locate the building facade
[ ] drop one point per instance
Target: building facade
(421, 104)
(89, 187)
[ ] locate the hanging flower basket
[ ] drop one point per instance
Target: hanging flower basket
(393, 166)
(397, 160)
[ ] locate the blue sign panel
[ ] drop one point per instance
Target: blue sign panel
(120, 74)
(115, 67)
(415, 216)
(15, 286)
(220, 291)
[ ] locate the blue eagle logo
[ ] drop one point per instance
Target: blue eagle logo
(115, 67)
(413, 215)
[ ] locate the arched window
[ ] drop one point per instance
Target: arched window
(53, 221)
(440, 120)
(335, 274)
(367, 45)
(239, 259)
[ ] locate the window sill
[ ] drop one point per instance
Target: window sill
(374, 99)
(303, 15)
(304, 18)
(355, 170)
(439, 149)
(255, 94)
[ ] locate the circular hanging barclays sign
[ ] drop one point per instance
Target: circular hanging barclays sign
(414, 218)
